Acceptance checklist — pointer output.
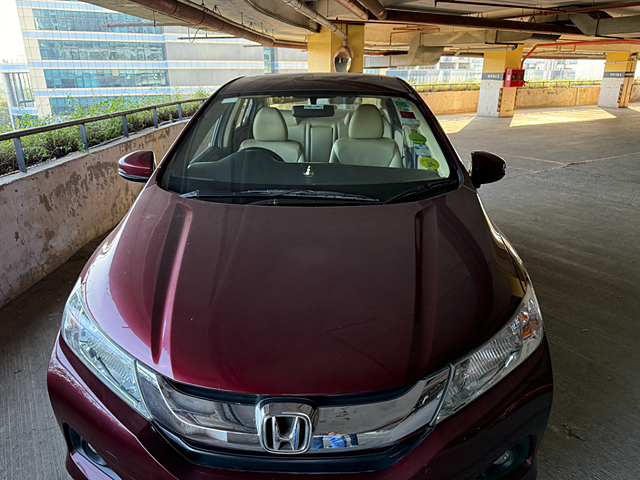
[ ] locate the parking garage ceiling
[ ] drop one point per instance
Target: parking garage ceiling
(553, 29)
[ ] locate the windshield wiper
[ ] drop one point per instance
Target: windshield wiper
(274, 193)
(422, 189)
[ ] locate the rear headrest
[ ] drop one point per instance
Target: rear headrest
(347, 118)
(366, 122)
(289, 119)
(269, 126)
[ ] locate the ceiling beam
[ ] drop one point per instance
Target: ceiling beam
(607, 27)
(569, 9)
(201, 16)
(423, 18)
(355, 7)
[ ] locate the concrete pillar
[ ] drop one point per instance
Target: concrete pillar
(617, 80)
(494, 99)
(323, 46)
(355, 40)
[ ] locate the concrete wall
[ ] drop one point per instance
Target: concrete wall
(442, 103)
(587, 95)
(557, 97)
(50, 212)
(635, 94)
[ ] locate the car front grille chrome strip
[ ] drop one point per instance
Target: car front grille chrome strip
(283, 425)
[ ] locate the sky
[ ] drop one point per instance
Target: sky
(11, 46)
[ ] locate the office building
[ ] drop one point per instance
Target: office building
(81, 53)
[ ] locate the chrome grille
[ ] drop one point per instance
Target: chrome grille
(331, 428)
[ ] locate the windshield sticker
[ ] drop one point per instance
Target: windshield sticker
(314, 107)
(417, 138)
(407, 115)
(429, 163)
(400, 103)
(410, 121)
(230, 100)
(422, 151)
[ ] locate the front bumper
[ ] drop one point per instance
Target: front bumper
(513, 413)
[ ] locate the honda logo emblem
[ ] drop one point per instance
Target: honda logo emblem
(285, 428)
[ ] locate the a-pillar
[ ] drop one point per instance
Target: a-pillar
(617, 80)
(495, 100)
(323, 46)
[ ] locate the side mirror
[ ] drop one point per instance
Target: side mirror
(485, 167)
(137, 166)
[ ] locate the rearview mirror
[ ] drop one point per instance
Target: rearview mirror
(137, 166)
(485, 167)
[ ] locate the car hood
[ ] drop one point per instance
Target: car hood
(301, 300)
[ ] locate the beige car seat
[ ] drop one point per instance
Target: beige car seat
(366, 144)
(270, 132)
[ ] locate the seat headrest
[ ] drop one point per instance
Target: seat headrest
(366, 122)
(269, 126)
(289, 119)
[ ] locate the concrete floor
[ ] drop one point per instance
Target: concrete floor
(570, 204)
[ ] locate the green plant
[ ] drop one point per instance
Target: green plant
(448, 87)
(58, 143)
(5, 117)
(551, 84)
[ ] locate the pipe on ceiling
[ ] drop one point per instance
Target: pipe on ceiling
(375, 7)
(201, 16)
(422, 18)
(384, 53)
(577, 10)
(354, 7)
(313, 15)
(551, 56)
(503, 5)
(622, 41)
(482, 49)
(147, 24)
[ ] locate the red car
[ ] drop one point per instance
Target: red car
(307, 284)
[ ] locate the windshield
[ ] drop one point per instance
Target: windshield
(309, 148)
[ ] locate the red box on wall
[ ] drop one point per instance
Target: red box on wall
(514, 77)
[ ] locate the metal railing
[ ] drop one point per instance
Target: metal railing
(16, 135)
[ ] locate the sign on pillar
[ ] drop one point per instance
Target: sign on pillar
(501, 77)
(617, 80)
(496, 100)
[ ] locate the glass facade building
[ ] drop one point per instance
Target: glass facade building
(105, 78)
(18, 89)
(447, 70)
(78, 54)
(83, 50)
(83, 21)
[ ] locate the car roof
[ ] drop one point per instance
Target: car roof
(332, 82)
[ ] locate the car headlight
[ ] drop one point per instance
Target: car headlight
(477, 372)
(112, 365)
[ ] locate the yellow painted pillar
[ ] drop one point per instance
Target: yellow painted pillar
(617, 81)
(323, 46)
(495, 100)
(355, 39)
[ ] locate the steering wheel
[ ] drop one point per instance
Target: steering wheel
(261, 152)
